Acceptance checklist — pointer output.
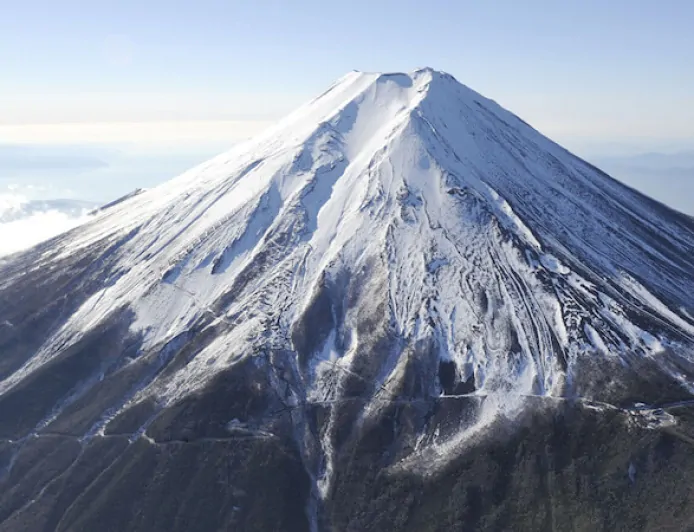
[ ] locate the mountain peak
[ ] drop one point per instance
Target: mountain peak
(411, 75)
(362, 107)
(420, 181)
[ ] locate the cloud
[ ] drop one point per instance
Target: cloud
(31, 223)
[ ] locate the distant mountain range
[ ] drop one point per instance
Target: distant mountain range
(655, 161)
(668, 177)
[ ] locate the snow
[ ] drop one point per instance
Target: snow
(632, 472)
(651, 301)
(434, 209)
(595, 339)
(614, 313)
(553, 264)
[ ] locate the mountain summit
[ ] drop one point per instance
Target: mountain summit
(401, 299)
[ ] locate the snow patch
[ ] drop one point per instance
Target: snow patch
(553, 264)
(595, 339)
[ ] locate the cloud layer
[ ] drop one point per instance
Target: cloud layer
(28, 223)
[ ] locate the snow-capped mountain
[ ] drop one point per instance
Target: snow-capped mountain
(362, 297)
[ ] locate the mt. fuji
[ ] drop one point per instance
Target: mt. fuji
(401, 308)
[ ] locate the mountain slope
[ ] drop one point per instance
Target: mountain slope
(383, 283)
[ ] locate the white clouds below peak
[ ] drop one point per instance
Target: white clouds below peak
(30, 224)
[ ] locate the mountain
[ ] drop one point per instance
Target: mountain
(401, 308)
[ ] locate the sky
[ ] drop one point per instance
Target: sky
(591, 69)
(144, 89)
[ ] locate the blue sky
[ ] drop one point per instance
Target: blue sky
(585, 69)
(594, 75)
